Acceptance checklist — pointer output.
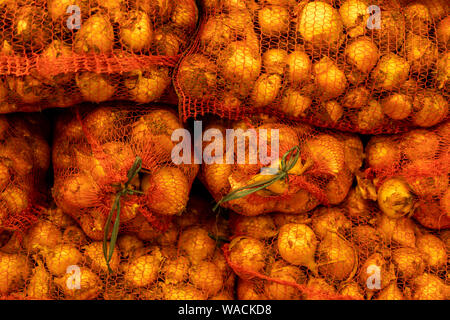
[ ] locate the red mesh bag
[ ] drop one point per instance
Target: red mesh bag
(182, 263)
(335, 64)
(24, 161)
(351, 251)
(60, 53)
(312, 167)
(408, 175)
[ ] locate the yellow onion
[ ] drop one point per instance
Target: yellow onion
(433, 249)
(273, 20)
(442, 71)
(259, 227)
(382, 153)
(329, 79)
(443, 31)
(95, 87)
(421, 53)
(397, 106)
(294, 102)
(248, 290)
(391, 72)
(275, 291)
(143, 271)
(409, 262)
(297, 245)
(197, 76)
(248, 253)
(207, 277)
(429, 287)
(368, 271)
(331, 219)
(265, 90)
(90, 285)
(95, 35)
(274, 61)
(320, 24)
(298, 67)
(14, 269)
(353, 290)
(399, 230)
(429, 107)
(391, 292)
(370, 116)
(136, 31)
(418, 18)
(395, 198)
(197, 244)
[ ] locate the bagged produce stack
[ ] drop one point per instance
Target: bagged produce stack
(24, 161)
(183, 263)
(59, 53)
(312, 167)
(354, 65)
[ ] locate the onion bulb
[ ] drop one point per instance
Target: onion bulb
(329, 79)
(429, 107)
(370, 117)
(401, 231)
(197, 76)
(443, 31)
(95, 35)
(395, 198)
(382, 153)
(60, 257)
(332, 219)
(297, 244)
(433, 250)
(337, 259)
(362, 53)
(421, 53)
(249, 254)
(429, 287)
(14, 269)
(143, 271)
(265, 90)
(94, 253)
(259, 227)
(320, 24)
(274, 61)
(408, 262)
(298, 67)
(397, 106)
(197, 244)
(90, 285)
(292, 274)
(273, 20)
(294, 102)
(391, 72)
(391, 292)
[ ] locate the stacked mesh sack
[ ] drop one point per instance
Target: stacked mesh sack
(57, 259)
(24, 161)
(387, 239)
(354, 65)
(59, 53)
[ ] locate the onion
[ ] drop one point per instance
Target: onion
(418, 18)
(399, 230)
(421, 53)
(294, 102)
(297, 244)
(159, 8)
(365, 237)
(327, 152)
(329, 78)
(298, 67)
(60, 257)
(128, 244)
(143, 270)
(427, 186)
(357, 207)
(42, 234)
(320, 24)
(433, 249)
(181, 292)
(75, 235)
(338, 187)
(281, 219)
(95, 87)
(94, 253)
(38, 286)
(176, 270)
(430, 215)
(391, 72)
(395, 198)
(265, 90)
(370, 116)
(215, 34)
(442, 71)
(239, 63)
(409, 262)
(274, 61)
(197, 244)
(430, 287)
(76, 191)
(184, 15)
(197, 76)
(136, 31)
(207, 277)
(337, 259)
(443, 31)
(14, 269)
(275, 291)
(147, 85)
(248, 290)
(429, 107)
(95, 35)
(387, 273)
(249, 254)
(392, 31)
(90, 285)
(356, 98)
(332, 219)
(330, 111)
(397, 106)
(320, 288)
(354, 15)
(353, 290)
(273, 20)
(382, 153)
(260, 227)
(353, 151)
(300, 202)
(391, 292)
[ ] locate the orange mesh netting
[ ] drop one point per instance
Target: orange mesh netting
(354, 65)
(183, 263)
(313, 166)
(24, 161)
(59, 53)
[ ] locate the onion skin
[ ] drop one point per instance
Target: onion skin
(397, 106)
(353, 290)
(197, 244)
(90, 285)
(329, 79)
(391, 72)
(274, 61)
(363, 54)
(207, 277)
(249, 254)
(96, 35)
(443, 31)
(273, 20)
(387, 273)
(265, 90)
(14, 268)
(247, 290)
(329, 219)
(275, 291)
(429, 107)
